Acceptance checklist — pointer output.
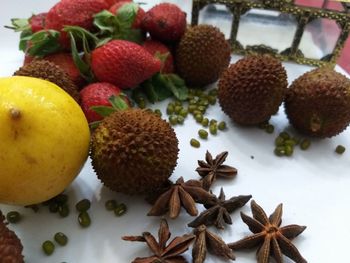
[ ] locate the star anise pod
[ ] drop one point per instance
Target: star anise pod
(208, 241)
(218, 211)
(271, 239)
(185, 194)
(163, 253)
(211, 168)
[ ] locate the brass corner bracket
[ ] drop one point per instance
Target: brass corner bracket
(303, 15)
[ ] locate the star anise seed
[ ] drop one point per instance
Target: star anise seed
(208, 241)
(213, 168)
(218, 212)
(185, 194)
(271, 239)
(163, 253)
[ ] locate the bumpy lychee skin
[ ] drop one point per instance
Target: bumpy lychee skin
(318, 103)
(134, 151)
(10, 245)
(202, 55)
(251, 90)
(49, 71)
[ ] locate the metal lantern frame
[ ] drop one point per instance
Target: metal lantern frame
(303, 15)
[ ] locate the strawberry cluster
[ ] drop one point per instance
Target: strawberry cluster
(108, 46)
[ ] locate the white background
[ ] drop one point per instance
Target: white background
(312, 185)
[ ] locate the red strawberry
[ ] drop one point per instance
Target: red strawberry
(156, 47)
(97, 94)
(165, 22)
(112, 2)
(73, 13)
(139, 17)
(37, 22)
(123, 63)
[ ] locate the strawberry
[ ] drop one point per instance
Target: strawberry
(123, 63)
(139, 17)
(37, 22)
(73, 13)
(97, 94)
(112, 2)
(165, 22)
(160, 50)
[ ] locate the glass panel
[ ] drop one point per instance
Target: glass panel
(217, 15)
(265, 27)
(319, 38)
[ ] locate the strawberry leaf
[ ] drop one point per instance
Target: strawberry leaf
(24, 38)
(43, 43)
(119, 102)
(19, 24)
(104, 111)
(93, 125)
(119, 25)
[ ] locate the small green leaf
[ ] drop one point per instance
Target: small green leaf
(25, 36)
(118, 102)
(83, 67)
(161, 56)
(93, 125)
(44, 42)
(103, 111)
(127, 14)
(106, 22)
(174, 84)
(19, 24)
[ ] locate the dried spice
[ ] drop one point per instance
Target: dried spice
(211, 168)
(271, 239)
(208, 241)
(164, 253)
(218, 212)
(185, 194)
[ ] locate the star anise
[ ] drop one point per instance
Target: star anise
(218, 211)
(271, 239)
(208, 241)
(212, 168)
(163, 253)
(185, 194)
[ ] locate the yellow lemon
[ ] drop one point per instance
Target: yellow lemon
(44, 140)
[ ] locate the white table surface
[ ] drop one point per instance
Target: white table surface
(312, 185)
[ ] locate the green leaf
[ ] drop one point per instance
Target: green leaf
(19, 24)
(103, 111)
(106, 22)
(78, 32)
(119, 25)
(25, 36)
(44, 42)
(83, 67)
(175, 84)
(118, 102)
(93, 125)
(127, 13)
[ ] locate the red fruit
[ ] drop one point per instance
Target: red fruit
(112, 2)
(37, 22)
(73, 13)
(139, 16)
(123, 63)
(97, 94)
(165, 22)
(155, 47)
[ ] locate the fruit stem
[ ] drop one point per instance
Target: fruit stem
(15, 114)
